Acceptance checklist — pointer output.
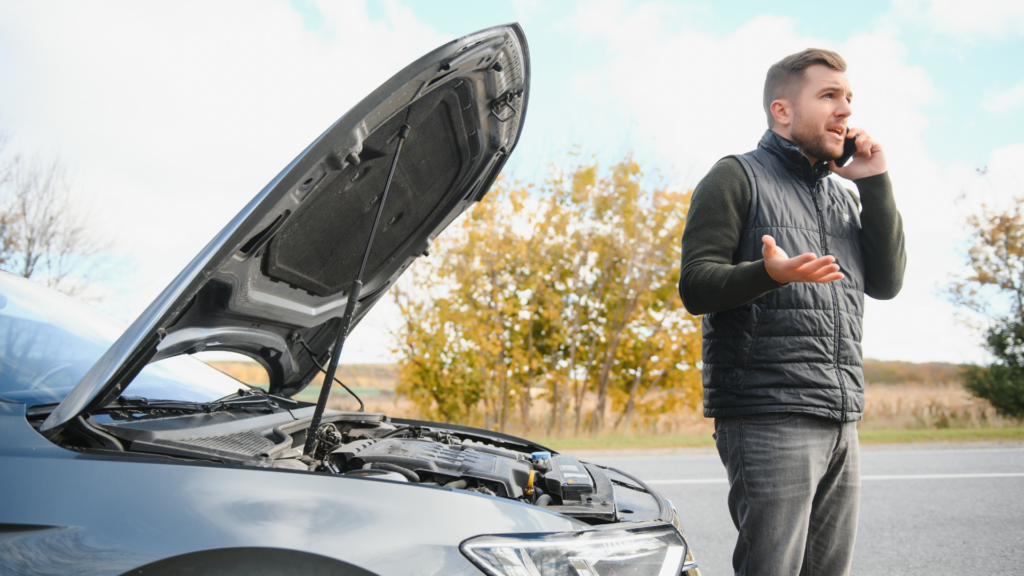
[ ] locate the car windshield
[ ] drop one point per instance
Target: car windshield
(49, 341)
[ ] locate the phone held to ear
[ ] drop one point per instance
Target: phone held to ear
(849, 149)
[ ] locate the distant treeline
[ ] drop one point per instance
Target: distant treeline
(385, 376)
(899, 372)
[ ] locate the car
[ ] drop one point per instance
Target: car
(121, 454)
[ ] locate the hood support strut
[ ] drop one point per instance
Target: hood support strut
(350, 308)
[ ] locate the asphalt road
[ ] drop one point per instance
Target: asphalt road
(947, 508)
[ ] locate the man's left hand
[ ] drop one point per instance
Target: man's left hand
(869, 159)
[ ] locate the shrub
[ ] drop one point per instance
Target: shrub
(1002, 382)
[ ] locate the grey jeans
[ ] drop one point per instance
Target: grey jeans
(794, 492)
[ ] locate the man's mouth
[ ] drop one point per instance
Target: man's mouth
(838, 132)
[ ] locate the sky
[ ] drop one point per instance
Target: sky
(170, 116)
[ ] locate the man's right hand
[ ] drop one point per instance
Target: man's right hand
(803, 268)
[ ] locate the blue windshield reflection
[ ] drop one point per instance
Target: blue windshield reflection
(49, 341)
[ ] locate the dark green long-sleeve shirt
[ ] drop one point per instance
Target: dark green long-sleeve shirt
(710, 282)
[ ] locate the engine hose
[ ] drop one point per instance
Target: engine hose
(394, 432)
(544, 500)
(457, 484)
(412, 476)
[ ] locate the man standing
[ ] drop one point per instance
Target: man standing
(781, 334)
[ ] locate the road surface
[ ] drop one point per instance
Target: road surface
(926, 509)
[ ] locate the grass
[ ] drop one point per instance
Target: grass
(628, 442)
(890, 436)
(881, 436)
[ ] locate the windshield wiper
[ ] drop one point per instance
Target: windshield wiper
(254, 396)
(239, 400)
(140, 404)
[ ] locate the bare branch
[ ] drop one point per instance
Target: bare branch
(44, 233)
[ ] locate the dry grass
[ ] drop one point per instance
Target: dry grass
(366, 376)
(390, 404)
(889, 406)
(927, 406)
(906, 406)
(899, 413)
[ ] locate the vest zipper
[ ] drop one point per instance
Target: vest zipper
(816, 189)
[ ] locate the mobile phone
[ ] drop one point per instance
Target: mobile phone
(849, 149)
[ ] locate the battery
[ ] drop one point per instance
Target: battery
(568, 478)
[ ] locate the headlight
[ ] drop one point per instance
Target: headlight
(645, 550)
(675, 518)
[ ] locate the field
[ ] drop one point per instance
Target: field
(929, 408)
(367, 380)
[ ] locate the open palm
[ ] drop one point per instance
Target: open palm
(803, 268)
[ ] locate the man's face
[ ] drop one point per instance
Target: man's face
(820, 112)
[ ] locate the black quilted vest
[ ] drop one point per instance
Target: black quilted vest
(795, 349)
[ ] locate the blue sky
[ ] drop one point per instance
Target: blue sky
(171, 115)
(965, 69)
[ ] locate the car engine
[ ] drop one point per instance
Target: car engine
(372, 446)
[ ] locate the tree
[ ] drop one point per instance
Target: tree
(562, 293)
(994, 287)
(1002, 382)
(43, 231)
(469, 326)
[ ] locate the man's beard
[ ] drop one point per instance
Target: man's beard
(814, 141)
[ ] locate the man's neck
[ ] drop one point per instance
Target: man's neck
(785, 132)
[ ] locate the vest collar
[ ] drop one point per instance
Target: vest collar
(792, 157)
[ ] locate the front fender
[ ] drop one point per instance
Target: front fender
(135, 510)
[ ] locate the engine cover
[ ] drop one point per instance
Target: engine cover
(443, 462)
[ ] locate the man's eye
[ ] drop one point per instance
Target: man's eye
(827, 96)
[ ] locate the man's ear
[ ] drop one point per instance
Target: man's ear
(782, 112)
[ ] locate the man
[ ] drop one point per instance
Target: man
(782, 356)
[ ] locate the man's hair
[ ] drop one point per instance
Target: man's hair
(787, 74)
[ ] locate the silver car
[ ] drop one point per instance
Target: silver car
(122, 455)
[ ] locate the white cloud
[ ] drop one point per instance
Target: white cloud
(890, 97)
(1000, 101)
(173, 115)
(966, 20)
(527, 10)
(697, 95)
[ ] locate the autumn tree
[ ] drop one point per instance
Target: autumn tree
(562, 293)
(994, 288)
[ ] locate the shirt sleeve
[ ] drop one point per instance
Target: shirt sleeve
(885, 250)
(708, 280)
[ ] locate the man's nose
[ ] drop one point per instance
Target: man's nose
(844, 109)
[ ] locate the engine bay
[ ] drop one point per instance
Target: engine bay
(372, 446)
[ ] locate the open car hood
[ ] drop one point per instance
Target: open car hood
(273, 283)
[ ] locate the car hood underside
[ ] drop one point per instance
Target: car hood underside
(275, 281)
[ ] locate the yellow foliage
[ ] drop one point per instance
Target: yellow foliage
(995, 283)
(563, 296)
